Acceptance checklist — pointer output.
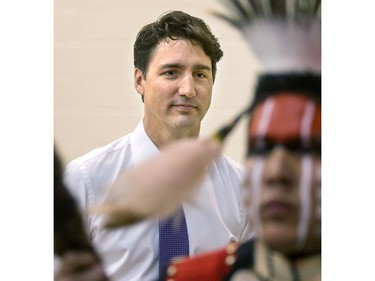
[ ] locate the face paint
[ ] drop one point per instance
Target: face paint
(318, 204)
(306, 177)
(264, 120)
(286, 119)
(252, 194)
(305, 200)
(293, 122)
(307, 122)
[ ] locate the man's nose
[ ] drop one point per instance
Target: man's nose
(187, 87)
(280, 167)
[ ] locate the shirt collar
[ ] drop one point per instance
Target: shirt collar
(141, 145)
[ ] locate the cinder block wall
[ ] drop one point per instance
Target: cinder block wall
(95, 100)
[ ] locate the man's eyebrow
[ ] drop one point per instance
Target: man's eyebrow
(181, 66)
(202, 66)
(172, 65)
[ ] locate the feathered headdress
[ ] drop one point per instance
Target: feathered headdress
(285, 35)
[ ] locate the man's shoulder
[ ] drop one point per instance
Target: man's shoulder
(225, 165)
(227, 160)
(210, 266)
(99, 154)
(92, 172)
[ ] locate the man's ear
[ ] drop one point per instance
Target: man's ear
(138, 81)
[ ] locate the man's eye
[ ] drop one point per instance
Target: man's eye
(304, 148)
(259, 149)
(170, 73)
(312, 149)
(263, 148)
(201, 75)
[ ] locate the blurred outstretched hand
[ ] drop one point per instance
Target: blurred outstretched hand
(156, 187)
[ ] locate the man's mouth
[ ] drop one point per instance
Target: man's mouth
(277, 208)
(184, 107)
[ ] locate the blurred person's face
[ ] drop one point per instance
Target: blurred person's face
(283, 173)
(177, 89)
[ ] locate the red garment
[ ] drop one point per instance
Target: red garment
(213, 266)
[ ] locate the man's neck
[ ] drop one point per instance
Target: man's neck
(163, 137)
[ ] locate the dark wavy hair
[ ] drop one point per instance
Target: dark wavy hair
(175, 25)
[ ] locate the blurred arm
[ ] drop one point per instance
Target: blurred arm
(158, 185)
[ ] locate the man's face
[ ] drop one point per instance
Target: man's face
(283, 173)
(177, 89)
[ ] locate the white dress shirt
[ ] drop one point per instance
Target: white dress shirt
(214, 218)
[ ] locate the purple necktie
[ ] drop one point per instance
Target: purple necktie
(173, 239)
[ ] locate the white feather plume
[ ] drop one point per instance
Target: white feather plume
(285, 35)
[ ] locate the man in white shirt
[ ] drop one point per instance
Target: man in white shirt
(175, 65)
(132, 197)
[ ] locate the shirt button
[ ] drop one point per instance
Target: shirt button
(171, 270)
(229, 260)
